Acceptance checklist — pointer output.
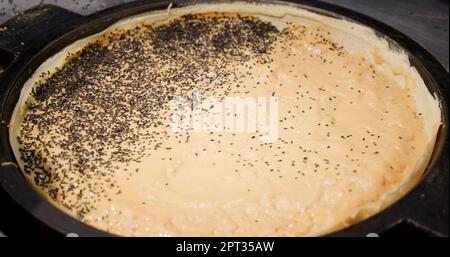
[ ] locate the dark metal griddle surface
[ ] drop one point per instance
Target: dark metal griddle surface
(426, 22)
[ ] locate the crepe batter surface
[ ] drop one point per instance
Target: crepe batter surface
(96, 139)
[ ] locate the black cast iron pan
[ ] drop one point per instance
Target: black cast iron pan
(37, 34)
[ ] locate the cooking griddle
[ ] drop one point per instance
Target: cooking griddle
(39, 33)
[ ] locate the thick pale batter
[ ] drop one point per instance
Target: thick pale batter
(356, 124)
